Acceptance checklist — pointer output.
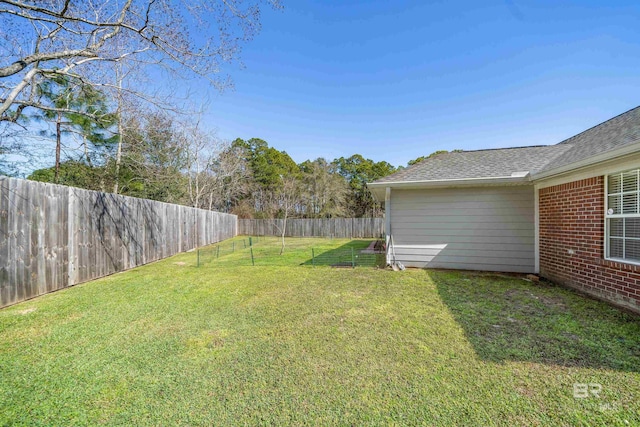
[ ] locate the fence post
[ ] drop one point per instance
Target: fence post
(353, 259)
(250, 242)
(313, 257)
(252, 261)
(244, 242)
(198, 262)
(233, 246)
(218, 252)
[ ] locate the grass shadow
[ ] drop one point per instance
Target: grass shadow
(510, 319)
(347, 255)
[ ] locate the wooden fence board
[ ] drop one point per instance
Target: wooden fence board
(52, 236)
(12, 228)
(357, 228)
(4, 240)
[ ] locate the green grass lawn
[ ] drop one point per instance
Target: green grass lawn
(298, 251)
(173, 344)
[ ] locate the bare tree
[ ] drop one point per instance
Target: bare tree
(216, 172)
(287, 198)
(83, 39)
(200, 149)
(120, 102)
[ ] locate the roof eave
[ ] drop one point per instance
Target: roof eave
(590, 161)
(378, 188)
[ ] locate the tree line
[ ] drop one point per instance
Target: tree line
(162, 158)
(141, 150)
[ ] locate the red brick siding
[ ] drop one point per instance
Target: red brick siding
(572, 219)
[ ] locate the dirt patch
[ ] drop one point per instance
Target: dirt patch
(524, 301)
(512, 293)
(555, 302)
(181, 263)
(209, 340)
(216, 339)
(26, 311)
(525, 391)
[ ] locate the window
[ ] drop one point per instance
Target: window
(622, 216)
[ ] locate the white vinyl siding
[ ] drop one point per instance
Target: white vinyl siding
(482, 228)
(622, 216)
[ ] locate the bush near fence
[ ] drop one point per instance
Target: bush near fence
(53, 236)
(339, 228)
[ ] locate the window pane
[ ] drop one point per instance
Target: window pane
(632, 250)
(615, 204)
(630, 181)
(615, 183)
(630, 203)
(615, 227)
(615, 248)
(631, 227)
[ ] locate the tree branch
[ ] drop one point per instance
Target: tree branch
(20, 65)
(40, 106)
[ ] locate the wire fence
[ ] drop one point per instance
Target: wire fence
(347, 258)
(213, 253)
(310, 252)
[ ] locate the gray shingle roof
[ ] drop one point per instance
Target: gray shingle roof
(610, 135)
(479, 164)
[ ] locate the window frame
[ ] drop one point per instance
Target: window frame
(607, 217)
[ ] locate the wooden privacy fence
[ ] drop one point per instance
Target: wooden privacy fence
(349, 228)
(52, 236)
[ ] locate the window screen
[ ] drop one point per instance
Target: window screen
(622, 217)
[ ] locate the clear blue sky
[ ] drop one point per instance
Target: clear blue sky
(394, 80)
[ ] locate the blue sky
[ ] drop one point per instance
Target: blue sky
(394, 80)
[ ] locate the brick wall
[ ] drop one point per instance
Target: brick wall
(572, 244)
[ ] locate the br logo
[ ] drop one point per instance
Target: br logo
(584, 390)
